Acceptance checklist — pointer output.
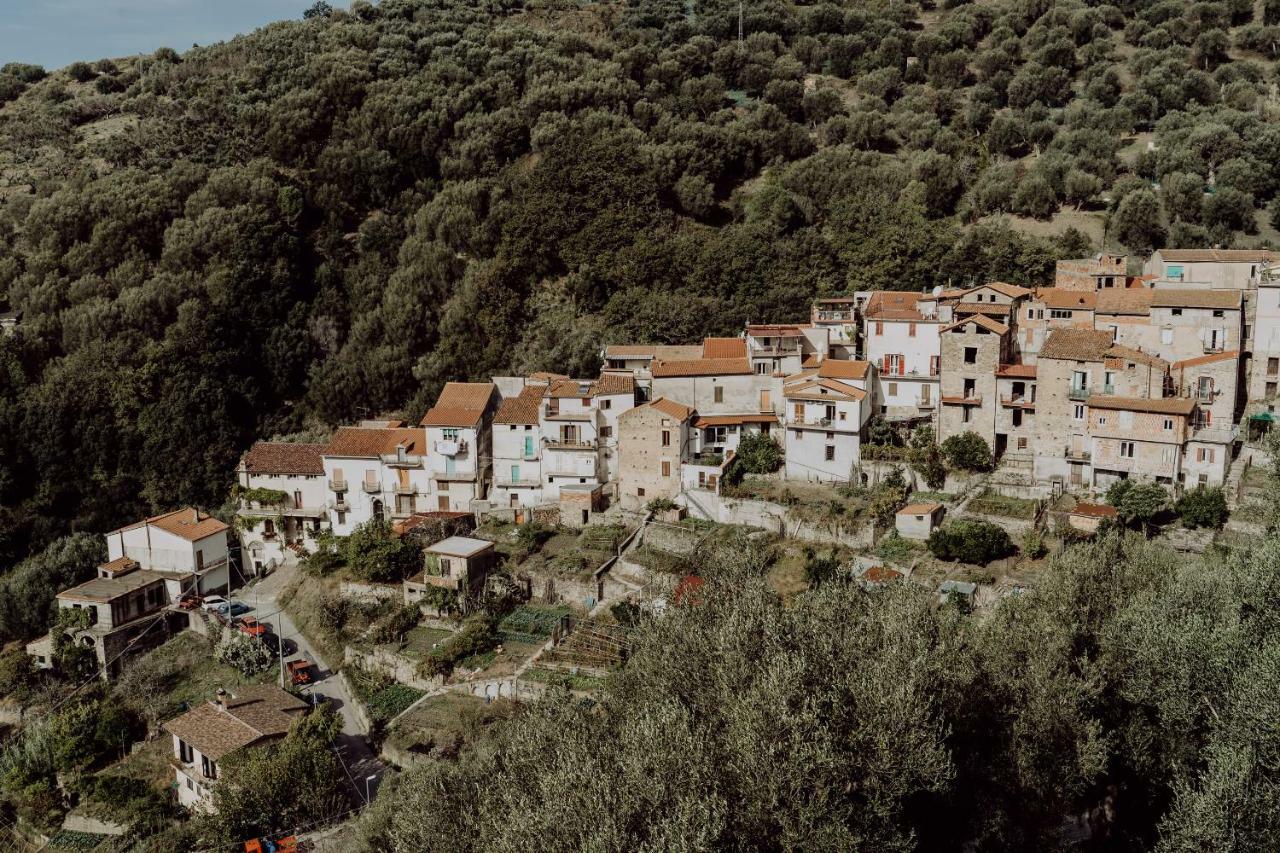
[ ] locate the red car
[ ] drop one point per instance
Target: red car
(189, 602)
(251, 627)
(299, 671)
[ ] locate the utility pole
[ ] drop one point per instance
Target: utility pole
(739, 21)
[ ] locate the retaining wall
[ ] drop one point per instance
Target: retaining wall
(361, 712)
(387, 661)
(370, 591)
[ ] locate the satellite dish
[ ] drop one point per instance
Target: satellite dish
(937, 291)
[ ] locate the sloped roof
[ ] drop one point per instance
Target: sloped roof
(1003, 287)
(569, 388)
(1062, 298)
(284, 457)
(522, 408)
(1224, 256)
(701, 367)
(981, 319)
(724, 348)
(1162, 406)
(189, 523)
(1076, 344)
(1184, 298)
(673, 352)
(615, 384)
(1136, 301)
(833, 368)
(994, 308)
(1016, 371)
(1094, 510)
(894, 305)
(252, 714)
(735, 420)
(672, 408)
(920, 509)
(1229, 355)
(817, 387)
(1119, 351)
(460, 404)
(371, 442)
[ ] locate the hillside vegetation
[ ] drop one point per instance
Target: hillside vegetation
(331, 217)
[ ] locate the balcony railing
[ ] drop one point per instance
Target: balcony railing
(833, 316)
(588, 444)
(818, 422)
(775, 349)
(1017, 402)
(393, 460)
(371, 488)
(1078, 393)
(1212, 348)
(340, 505)
(926, 404)
(1078, 454)
(406, 489)
(338, 485)
(507, 482)
(970, 399)
(1109, 389)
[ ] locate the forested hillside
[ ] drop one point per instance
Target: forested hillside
(333, 216)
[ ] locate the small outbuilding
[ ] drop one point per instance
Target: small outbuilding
(1087, 517)
(917, 521)
(962, 591)
(456, 563)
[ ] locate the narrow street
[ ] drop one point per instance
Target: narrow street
(353, 748)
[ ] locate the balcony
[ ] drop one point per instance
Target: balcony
(829, 316)
(971, 399)
(1109, 389)
(1215, 434)
(1213, 348)
(926, 404)
(710, 460)
(401, 460)
(340, 505)
(579, 444)
(1077, 454)
(406, 489)
(774, 350)
(578, 415)
(371, 488)
(452, 448)
(338, 485)
(523, 482)
(1078, 393)
(1017, 402)
(813, 422)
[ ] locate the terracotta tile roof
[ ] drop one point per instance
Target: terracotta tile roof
(894, 305)
(724, 348)
(1126, 301)
(980, 319)
(252, 714)
(676, 352)
(1017, 371)
(1076, 344)
(119, 564)
(919, 509)
(880, 574)
(1094, 510)
(460, 404)
(1223, 256)
(522, 408)
(672, 408)
(992, 308)
(834, 368)
(1206, 359)
(810, 360)
(735, 420)
(544, 377)
(370, 442)
(284, 457)
(812, 389)
(1183, 298)
(571, 388)
(615, 384)
(1003, 287)
(701, 367)
(776, 330)
(1124, 353)
(189, 523)
(1163, 406)
(1060, 297)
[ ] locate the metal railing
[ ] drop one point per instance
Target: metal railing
(338, 485)
(1077, 393)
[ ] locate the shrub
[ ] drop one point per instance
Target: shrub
(1137, 502)
(820, 569)
(375, 554)
(977, 542)
(758, 453)
(1032, 544)
(1202, 507)
(479, 634)
(247, 655)
(967, 451)
(660, 505)
(81, 72)
(397, 623)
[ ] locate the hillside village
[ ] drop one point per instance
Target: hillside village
(412, 576)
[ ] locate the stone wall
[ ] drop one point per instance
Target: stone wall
(776, 518)
(370, 591)
(389, 662)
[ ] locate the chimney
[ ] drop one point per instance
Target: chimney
(195, 515)
(221, 699)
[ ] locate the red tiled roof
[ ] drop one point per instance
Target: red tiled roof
(615, 384)
(880, 574)
(735, 420)
(834, 368)
(812, 389)
(1124, 353)
(701, 367)
(522, 408)
(371, 442)
(920, 509)
(1183, 298)
(189, 523)
(1062, 298)
(284, 457)
(672, 408)
(1004, 288)
(894, 305)
(569, 388)
(1161, 406)
(1094, 510)
(674, 352)
(981, 319)
(252, 714)
(1017, 371)
(776, 330)
(724, 348)
(1206, 359)
(1126, 301)
(460, 404)
(1077, 344)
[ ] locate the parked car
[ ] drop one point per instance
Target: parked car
(190, 601)
(212, 603)
(251, 627)
(232, 609)
(299, 671)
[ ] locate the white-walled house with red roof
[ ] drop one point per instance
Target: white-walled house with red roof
(188, 546)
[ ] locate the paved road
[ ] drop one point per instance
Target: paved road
(353, 746)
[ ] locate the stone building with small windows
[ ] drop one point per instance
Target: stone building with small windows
(655, 439)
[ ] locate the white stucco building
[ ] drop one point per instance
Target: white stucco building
(458, 442)
(903, 341)
(823, 421)
(187, 546)
(296, 472)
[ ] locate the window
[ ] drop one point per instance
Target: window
(1022, 444)
(935, 365)
(342, 518)
(1102, 420)
(966, 414)
(1271, 389)
(970, 355)
(879, 328)
(512, 427)
(1177, 312)
(209, 768)
(450, 434)
(843, 415)
(666, 438)
(1126, 449)
(1166, 335)
(911, 330)
(1168, 424)
(607, 404)
(640, 492)
(1077, 412)
(762, 368)
(1173, 271)
(1059, 314)
(893, 389)
(1218, 314)
(831, 453)
(185, 753)
(719, 393)
(666, 468)
(1273, 366)
(798, 434)
(515, 473)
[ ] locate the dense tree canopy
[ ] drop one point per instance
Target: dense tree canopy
(332, 216)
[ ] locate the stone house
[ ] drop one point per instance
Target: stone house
(655, 439)
(1137, 437)
(973, 348)
(1100, 272)
(458, 563)
(1051, 308)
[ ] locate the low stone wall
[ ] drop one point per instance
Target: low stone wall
(97, 826)
(370, 591)
(776, 518)
(1015, 527)
(669, 537)
(387, 661)
(504, 688)
(551, 588)
(361, 712)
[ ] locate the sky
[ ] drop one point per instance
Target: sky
(54, 33)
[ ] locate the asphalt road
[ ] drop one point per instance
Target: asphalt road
(357, 756)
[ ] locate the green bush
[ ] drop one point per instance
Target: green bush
(479, 634)
(977, 542)
(375, 554)
(758, 453)
(1032, 544)
(1202, 507)
(660, 505)
(967, 451)
(245, 654)
(824, 568)
(1137, 503)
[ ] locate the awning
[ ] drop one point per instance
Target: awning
(1268, 417)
